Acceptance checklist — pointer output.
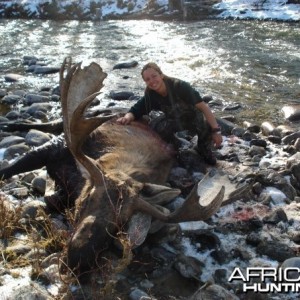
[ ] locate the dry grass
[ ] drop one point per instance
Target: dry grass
(46, 238)
(9, 219)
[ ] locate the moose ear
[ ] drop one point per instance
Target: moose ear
(137, 228)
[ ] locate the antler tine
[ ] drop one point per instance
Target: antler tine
(192, 210)
(64, 89)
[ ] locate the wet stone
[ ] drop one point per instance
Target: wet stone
(138, 294)
(121, 95)
(46, 70)
(291, 112)
(20, 192)
(291, 138)
(253, 238)
(213, 291)
(13, 115)
(188, 266)
(3, 119)
(293, 262)
(11, 140)
(11, 99)
(251, 127)
(257, 150)
(43, 107)
(30, 209)
(39, 184)
(276, 216)
(258, 142)
(248, 136)
(11, 77)
(233, 106)
(3, 92)
(274, 139)
(12, 151)
(35, 98)
(275, 250)
(36, 138)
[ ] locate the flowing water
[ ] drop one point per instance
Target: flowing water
(254, 63)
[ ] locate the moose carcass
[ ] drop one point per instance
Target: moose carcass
(127, 177)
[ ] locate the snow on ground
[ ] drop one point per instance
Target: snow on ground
(258, 9)
(238, 9)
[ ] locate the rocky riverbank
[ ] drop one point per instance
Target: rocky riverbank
(257, 225)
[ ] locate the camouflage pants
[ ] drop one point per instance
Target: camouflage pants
(167, 127)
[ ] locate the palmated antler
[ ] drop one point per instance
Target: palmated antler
(78, 89)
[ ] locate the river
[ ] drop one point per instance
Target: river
(254, 63)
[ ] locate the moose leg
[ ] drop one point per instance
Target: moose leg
(33, 160)
(60, 166)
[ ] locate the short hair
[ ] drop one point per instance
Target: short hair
(151, 65)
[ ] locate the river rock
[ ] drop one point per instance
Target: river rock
(35, 107)
(267, 128)
(11, 99)
(291, 138)
(296, 171)
(39, 184)
(36, 138)
(291, 112)
(238, 131)
(274, 139)
(188, 266)
(251, 127)
(11, 77)
(30, 69)
(293, 262)
(12, 151)
(125, 65)
(11, 140)
(232, 106)
(275, 250)
(30, 208)
(297, 144)
(293, 160)
(138, 294)
(13, 115)
(121, 95)
(35, 98)
(3, 92)
(213, 292)
(258, 142)
(257, 150)
(20, 93)
(284, 130)
(28, 58)
(226, 126)
(3, 119)
(276, 216)
(46, 70)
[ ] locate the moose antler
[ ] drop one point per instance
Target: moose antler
(78, 90)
